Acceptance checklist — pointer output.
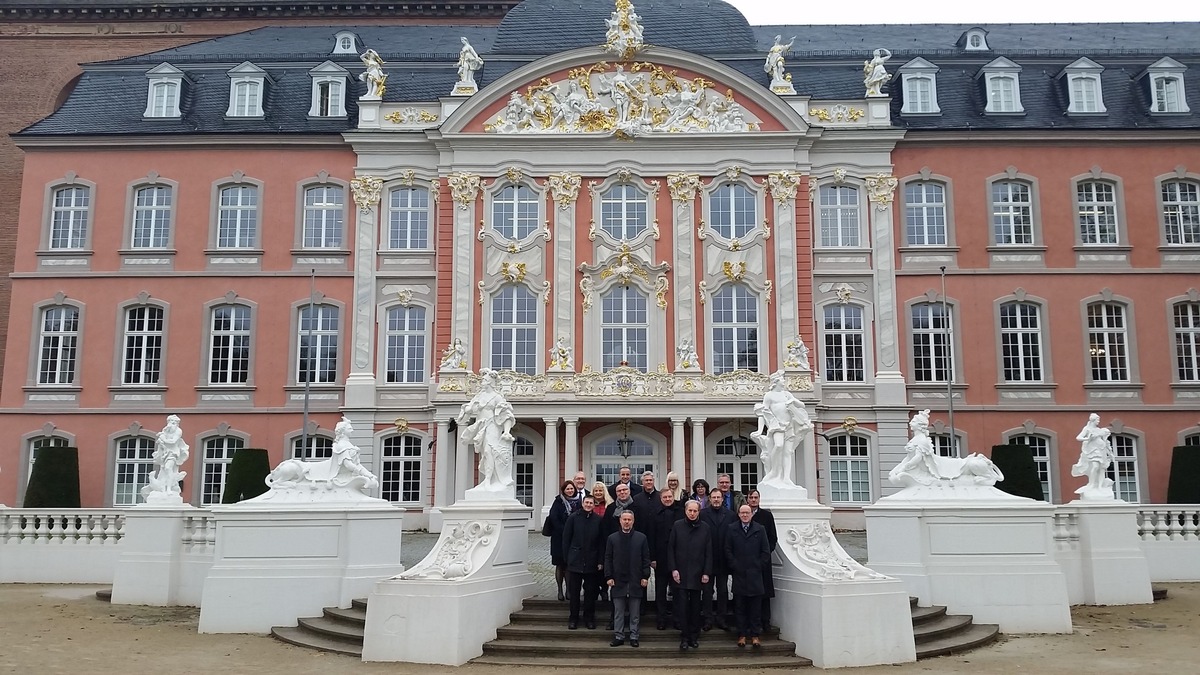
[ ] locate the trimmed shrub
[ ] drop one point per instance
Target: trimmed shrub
(1184, 484)
(54, 482)
(247, 472)
(1019, 469)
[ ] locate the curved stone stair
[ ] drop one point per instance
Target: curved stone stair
(336, 630)
(937, 633)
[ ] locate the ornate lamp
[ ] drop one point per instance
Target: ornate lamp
(741, 444)
(625, 443)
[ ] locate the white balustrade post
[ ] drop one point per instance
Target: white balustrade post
(571, 451)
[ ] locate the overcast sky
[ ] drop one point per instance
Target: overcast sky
(762, 12)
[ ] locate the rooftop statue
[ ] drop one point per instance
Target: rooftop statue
(339, 478)
(469, 63)
(922, 466)
(1095, 456)
(170, 451)
(374, 76)
(875, 75)
(781, 82)
(486, 423)
(783, 422)
(624, 35)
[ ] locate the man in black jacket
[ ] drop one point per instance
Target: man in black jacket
(645, 502)
(627, 572)
(658, 531)
(748, 555)
(689, 557)
(624, 477)
(716, 591)
(584, 547)
(767, 519)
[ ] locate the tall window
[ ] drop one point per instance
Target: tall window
(735, 329)
(152, 217)
(229, 348)
(849, 469)
(1039, 447)
(324, 214)
(329, 98)
(839, 215)
(843, 334)
(69, 218)
(1002, 94)
(144, 331)
(523, 470)
(623, 212)
(218, 453)
(743, 471)
(164, 99)
(514, 330)
(246, 96)
(400, 469)
(1097, 212)
(733, 211)
(237, 217)
(59, 342)
(1168, 94)
(925, 214)
(932, 356)
(1124, 470)
(1181, 212)
(408, 219)
(1021, 341)
(609, 460)
(515, 211)
(1085, 94)
(135, 464)
(405, 345)
(1187, 341)
(918, 95)
(1107, 342)
(44, 442)
(318, 345)
(624, 328)
(318, 447)
(1012, 213)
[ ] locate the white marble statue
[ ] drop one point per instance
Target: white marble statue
(485, 423)
(797, 355)
(685, 105)
(780, 83)
(170, 451)
(686, 357)
(562, 357)
(923, 466)
(783, 423)
(874, 74)
(337, 478)
(469, 63)
(374, 76)
(623, 37)
(454, 357)
(1095, 456)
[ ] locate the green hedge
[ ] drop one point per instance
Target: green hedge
(1020, 472)
(247, 472)
(1184, 484)
(54, 482)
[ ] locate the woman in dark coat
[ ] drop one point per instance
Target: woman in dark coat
(748, 554)
(563, 504)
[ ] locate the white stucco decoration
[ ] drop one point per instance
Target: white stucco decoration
(562, 356)
(925, 475)
(874, 73)
(469, 63)
(812, 548)
(170, 451)
(486, 423)
(623, 37)
(340, 479)
(781, 82)
(786, 423)
(454, 357)
(686, 357)
(1095, 456)
(374, 76)
(797, 354)
(458, 553)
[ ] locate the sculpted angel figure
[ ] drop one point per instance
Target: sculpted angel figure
(775, 61)
(621, 89)
(374, 76)
(469, 63)
(561, 355)
(687, 102)
(783, 422)
(1095, 456)
(875, 75)
(797, 354)
(455, 356)
(486, 423)
(686, 352)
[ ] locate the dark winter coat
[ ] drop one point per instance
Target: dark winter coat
(689, 552)
(633, 489)
(658, 530)
(767, 520)
(627, 562)
(582, 543)
(748, 554)
(644, 505)
(559, 512)
(718, 521)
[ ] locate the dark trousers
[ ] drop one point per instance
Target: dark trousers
(580, 583)
(748, 609)
(662, 581)
(716, 599)
(766, 612)
(687, 613)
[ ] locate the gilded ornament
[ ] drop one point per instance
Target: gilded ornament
(512, 247)
(838, 113)
(625, 174)
(564, 188)
(404, 296)
(408, 177)
(410, 115)
(464, 187)
(451, 385)
(512, 272)
(366, 192)
(881, 189)
(839, 176)
(821, 114)
(624, 268)
(702, 292)
(661, 286)
(401, 424)
(783, 186)
(684, 186)
(843, 292)
(734, 271)
(514, 175)
(735, 245)
(624, 35)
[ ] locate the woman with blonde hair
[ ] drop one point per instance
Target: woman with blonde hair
(675, 486)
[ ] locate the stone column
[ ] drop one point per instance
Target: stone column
(571, 451)
(464, 470)
(698, 466)
(360, 383)
(443, 479)
(464, 188)
(683, 187)
(782, 185)
(889, 381)
(677, 449)
(564, 188)
(550, 480)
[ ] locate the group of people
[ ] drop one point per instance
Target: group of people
(611, 540)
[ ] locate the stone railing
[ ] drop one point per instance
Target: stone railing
(60, 545)
(1170, 535)
(199, 531)
(624, 383)
(1066, 531)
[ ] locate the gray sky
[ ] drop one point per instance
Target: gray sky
(762, 12)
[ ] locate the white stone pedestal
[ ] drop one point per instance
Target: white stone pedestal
(838, 612)
(991, 556)
(149, 568)
(276, 563)
(447, 606)
(1109, 567)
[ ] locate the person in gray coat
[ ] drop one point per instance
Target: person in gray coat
(627, 572)
(748, 554)
(690, 559)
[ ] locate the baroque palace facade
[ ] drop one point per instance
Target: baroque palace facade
(635, 226)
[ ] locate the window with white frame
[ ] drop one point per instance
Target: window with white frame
(237, 216)
(218, 453)
(849, 469)
(624, 328)
(1012, 213)
(623, 212)
(1187, 341)
(1097, 203)
(229, 345)
(69, 217)
(1085, 94)
(1167, 92)
(1192, 440)
(843, 332)
(925, 213)
(839, 215)
(1021, 341)
(152, 205)
(1123, 472)
(1107, 342)
(1039, 447)
(317, 340)
(932, 352)
(405, 342)
(400, 469)
(317, 448)
(735, 329)
(1002, 79)
(324, 216)
(343, 43)
(514, 330)
(164, 99)
(607, 471)
(943, 446)
(408, 219)
(328, 98)
(1181, 212)
(135, 464)
(743, 471)
(37, 444)
(515, 212)
(918, 80)
(59, 341)
(246, 84)
(523, 470)
(144, 331)
(733, 211)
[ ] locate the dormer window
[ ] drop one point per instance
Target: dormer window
(328, 90)
(1002, 81)
(1084, 87)
(1167, 94)
(246, 84)
(344, 42)
(164, 91)
(919, 80)
(974, 40)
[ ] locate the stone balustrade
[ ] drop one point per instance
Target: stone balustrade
(1170, 535)
(60, 545)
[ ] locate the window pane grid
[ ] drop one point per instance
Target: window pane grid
(319, 447)
(849, 469)
(1021, 342)
(1097, 213)
(1003, 93)
(1012, 213)
(931, 343)
(143, 345)
(844, 339)
(1187, 341)
(624, 328)
(324, 211)
(1166, 94)
(1106, 342)
(59, 342)
(165, 95)
(623, 212)
(515, 212)
(69, 220)
(1039, 447)
(246, 95)
(1123, 472)
(237, 221)
(400, 469)
(1083, 93)
(839, 215)
(514, 330)
(405, 345)
(925, 214)
(523, 475)
(408, 219)
(318, 352)
(918, 93)
(229, 352)
(735, 329)
(152, 217)
(733, 212)
(218, 453)
(1181, 212)
(135, 464)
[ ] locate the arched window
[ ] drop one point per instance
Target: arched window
(1187, 341)
(400, 472)
(408, 219)
(405, 345)
(152, 206)
(230, 340)
(735, 329)
(1012, 213)
(523, 469)
(246, 95)
(624, 212)
(1124, 469)
(237, 217)
(1039, 447)
(319, 447)
(515, 212)
(733, 212)
(44, 442)
(135, 464)
(514, 330)
(933, 358)
(844, 334)
(1097, 203)
(69, 217)
(609, 460)
(164, 99)
(925, 213)
(839, 215)
(218, 453)
(624, 328)
(1107, 342)
(849, 469)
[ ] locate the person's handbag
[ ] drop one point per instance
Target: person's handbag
(547, 528)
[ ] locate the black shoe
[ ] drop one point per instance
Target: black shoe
(708, 626)
(662, 626)
(572, 625)
(591, 625)
(693, 644)
(609, 626)
(617, 642)
(561, 597)
(634, 643)
(683, 645)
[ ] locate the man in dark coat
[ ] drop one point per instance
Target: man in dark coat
(689, 557)
(716, 591)
(584, 547)
(748, 554)
(733, 498)
(645, 502)
(627, 572)
(624, 477)
(765, 518)
(658, 531)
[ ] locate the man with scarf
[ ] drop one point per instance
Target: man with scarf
(584, 548)
(627, 572)
(690, 559)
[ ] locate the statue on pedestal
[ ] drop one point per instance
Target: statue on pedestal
(783, 423)
(797, 355)
(561, 355)
(781, 82)
(332, 479)
(170, 451)
(374, 76)
(923, 466)
(623, 37)
(875, 75)
(1095, 456)
(486, 423)
(685, 352)
(454, 357)
(469, 63)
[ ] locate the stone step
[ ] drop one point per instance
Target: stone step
(923, 614)
(624, 658)
(976, 635)
(303, 638)
(359, 603)
(598, 648)
(353, 616)
(1156, 593)
(333, 629)
(559, 631)
(945, 624)
(104, 594)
